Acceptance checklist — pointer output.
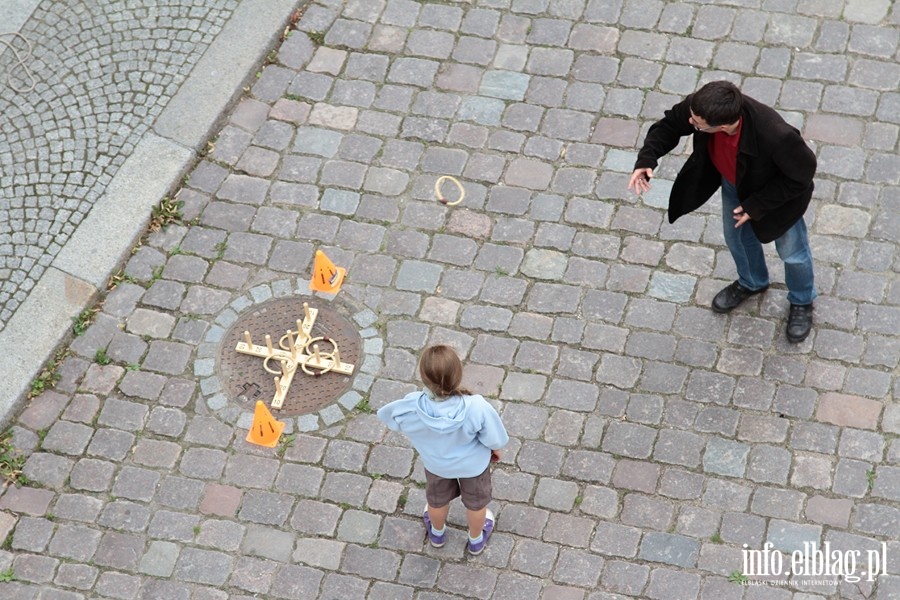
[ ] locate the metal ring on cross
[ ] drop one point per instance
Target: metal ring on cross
(440, 196)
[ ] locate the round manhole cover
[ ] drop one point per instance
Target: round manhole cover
(245, 380)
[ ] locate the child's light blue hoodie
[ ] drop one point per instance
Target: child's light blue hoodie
(454, 437)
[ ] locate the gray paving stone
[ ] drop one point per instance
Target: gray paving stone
(370, 563)
(80, 577)
(679, 447)
(119, 551)
(768, 464)
(118, 585)
(67, 438)
(34, 568)
(523, 520)
(714, 419)
(32, 535)
(265, 507)
(77, 507)
(522, 420)
(876, 519)
(629, 439)
(676, 483)
(628, 578)
(221, 535)
(346, 487)
(724, 457)
(533, 557)
(268, 542)
(644, 511)
(698, 522)
(670, 549)
(636, 475)
(203, 566)
(885, 482)
(125, 515)
(564, 428)
(789, 537)
(572, 395)
(159, 560)
(555, 494)
(156, 453)
(250, 471)
(669, 583)
(135, 483)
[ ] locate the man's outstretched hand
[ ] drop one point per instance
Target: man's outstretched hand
(640, 180)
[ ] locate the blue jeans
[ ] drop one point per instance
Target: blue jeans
(747, 252)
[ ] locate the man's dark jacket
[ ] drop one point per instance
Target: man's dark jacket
(775, 167)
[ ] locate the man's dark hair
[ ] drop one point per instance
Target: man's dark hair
(717, 103)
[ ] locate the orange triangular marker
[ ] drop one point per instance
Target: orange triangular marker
(326, 277)
(265, 430)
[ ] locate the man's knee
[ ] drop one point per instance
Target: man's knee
(795, 252)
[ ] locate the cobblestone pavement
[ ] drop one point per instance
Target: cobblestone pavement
(104, 71)
(651, 438)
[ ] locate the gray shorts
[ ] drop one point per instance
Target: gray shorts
(475, 491)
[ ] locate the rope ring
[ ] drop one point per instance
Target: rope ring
(318, 372)
(282, 342)
(20, 62)
(328, 355)
(290, 366)
(440, 196)
(323, 338)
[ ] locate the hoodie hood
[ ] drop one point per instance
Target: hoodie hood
(444, 416)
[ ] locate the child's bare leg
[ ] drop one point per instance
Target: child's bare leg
(476, 521)
(438, 516)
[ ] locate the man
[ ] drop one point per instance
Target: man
(765, 170)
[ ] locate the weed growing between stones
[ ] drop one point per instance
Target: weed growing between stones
(292, 23)
(168, 211)
(84, 320)
(284, 443)
(48, 377)
(100, 357)
(119, 277)
(737, 577)
(11, 463)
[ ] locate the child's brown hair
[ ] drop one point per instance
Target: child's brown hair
(442, 371)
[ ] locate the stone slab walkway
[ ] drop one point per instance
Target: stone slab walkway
(653, 441)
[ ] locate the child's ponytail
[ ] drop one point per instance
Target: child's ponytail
(442, 371)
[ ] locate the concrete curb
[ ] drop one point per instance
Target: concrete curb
(219, 76)
(119, 218)
(78, 275)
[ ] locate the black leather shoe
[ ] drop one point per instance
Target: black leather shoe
(799, 322)
(730, 297)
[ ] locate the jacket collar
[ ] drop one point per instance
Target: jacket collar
(748, 143)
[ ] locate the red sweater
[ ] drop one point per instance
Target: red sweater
(723, 151)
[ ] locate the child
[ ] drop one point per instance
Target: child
(458, 435)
